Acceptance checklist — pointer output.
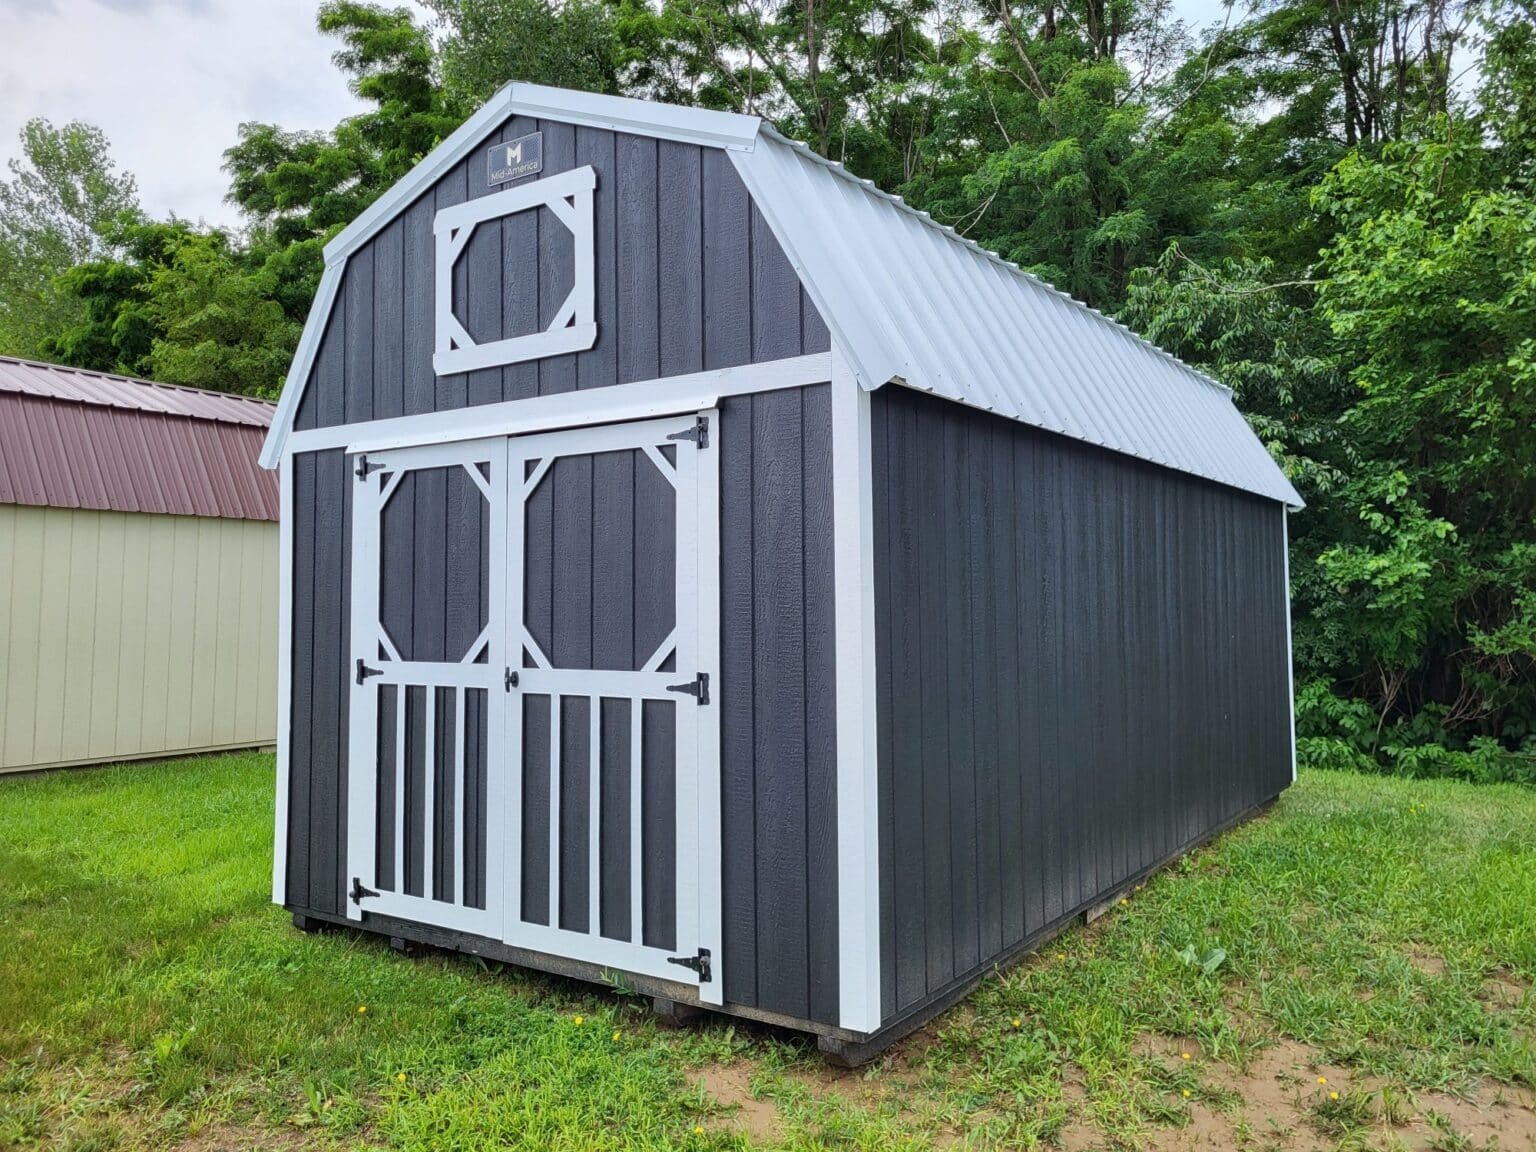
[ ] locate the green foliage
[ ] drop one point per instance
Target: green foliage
(1299, 199)
(489, 42)
(299, 186)
(57, 210)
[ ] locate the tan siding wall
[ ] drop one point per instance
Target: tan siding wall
(124, 634)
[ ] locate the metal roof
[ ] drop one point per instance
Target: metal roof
(908, 300)
(914, 301)
(76, 439)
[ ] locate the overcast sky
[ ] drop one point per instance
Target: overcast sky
(170, 81)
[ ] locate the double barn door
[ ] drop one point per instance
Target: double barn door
(534, 744)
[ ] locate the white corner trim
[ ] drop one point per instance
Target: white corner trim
(303, 361)
(858, 793)
(284, 679)
(642, 400)
(1290, 658)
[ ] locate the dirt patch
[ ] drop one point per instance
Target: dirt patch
(730, 1086)
(1503, 1118)
(1502, 992)
(240, 1138)
(1427, 962)
(1287, 1105)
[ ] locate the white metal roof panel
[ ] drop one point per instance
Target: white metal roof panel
(913, 300)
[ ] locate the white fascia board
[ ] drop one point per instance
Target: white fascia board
(643, 117)
(303, 360)
(641, 400)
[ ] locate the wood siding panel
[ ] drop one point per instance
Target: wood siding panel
(128, 635)
(688, 276)
(777, 704)
(1080, 663)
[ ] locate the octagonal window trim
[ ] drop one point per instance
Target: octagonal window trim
(568, 196)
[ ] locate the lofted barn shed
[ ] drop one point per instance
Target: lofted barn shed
(701, 567)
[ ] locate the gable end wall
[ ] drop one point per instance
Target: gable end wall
(689, 278)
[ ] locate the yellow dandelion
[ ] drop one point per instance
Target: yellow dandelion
(1061, 955)
(579, 1019)
(1322, 1079)
(698, 1129)
(1333, 1095)
(1123, 900)
(1186, 1093)
(1185, 1055)
(400, 1076)
(1016, 1022)
(616, 1036)
(361, 1008)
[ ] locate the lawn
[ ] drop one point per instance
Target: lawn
(1353, 970)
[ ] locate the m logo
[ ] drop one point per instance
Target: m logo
(515, 158)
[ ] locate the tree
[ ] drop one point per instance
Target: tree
(57, 210)
(485, 43)
(1430, 294)
(301, 186)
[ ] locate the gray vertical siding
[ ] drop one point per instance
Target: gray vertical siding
(689, 277)
(1081, 666)
(779, 756)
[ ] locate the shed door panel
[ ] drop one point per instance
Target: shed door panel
(428, 566)
(617, 814)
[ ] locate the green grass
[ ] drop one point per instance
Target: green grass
(150, 995)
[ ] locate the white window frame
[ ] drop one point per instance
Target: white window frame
(568, 196)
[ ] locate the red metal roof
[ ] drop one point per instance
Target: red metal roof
(76, 439)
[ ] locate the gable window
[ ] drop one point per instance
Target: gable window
(568, 197)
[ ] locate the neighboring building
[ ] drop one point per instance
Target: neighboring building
(700, 567)
(138, 549)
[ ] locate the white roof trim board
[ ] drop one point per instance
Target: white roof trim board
(907, 299)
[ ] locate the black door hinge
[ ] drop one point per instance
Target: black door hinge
(363, 467)
(363, 671)
(511, 679)
(699, 433)
(698, 688)
(359, 893)
(699, 963)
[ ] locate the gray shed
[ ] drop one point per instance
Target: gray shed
(700, 567)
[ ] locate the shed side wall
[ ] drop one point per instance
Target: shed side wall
(127, 634)
(1081, 666)
(776, 696)
(688, 277)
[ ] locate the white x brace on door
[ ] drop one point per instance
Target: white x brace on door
(613, 625)
(427, 701)
(534, 748)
